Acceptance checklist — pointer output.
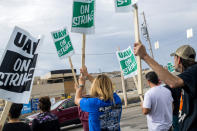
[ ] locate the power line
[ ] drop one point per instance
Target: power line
(109, 53)
(146, 34)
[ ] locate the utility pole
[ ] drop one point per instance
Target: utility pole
(146, 34)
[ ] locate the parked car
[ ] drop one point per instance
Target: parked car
(65, 110)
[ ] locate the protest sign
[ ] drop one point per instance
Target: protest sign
(26, 108)
(170, 67)
(62, 43)
(17, 67)
(52, 100)
(34, 104)
(189, 33)
(124, 5)
(64, 46)
(127, 62)
(83, 16)
(156, 45)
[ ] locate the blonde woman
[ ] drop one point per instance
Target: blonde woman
(104, 106)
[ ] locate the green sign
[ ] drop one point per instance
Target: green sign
(127, 62)
(83, 16)
(62, 43)
(170, 67)
(124, 5)
(121, 3)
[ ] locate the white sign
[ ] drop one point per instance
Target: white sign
(156, 45)
(189, 33)
(52, 101)
(17, 67)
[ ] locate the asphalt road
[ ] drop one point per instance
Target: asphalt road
(132, 120)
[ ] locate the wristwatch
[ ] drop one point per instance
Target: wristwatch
(81, 86)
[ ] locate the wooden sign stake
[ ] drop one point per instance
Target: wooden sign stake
(73, 71)
(4, 113)
(83, 50)
(139, 65)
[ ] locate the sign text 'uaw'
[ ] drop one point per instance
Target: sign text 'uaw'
(17, 66)
(127, 62)
(62, 43)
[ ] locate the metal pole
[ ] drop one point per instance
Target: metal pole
(147, 35)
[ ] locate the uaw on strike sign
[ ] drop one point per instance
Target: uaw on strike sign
(62, 43)
(83, 16)
(17, 67)
(124, 5)
(127, 62)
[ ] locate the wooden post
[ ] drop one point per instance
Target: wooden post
(83, 55)
(135, 81)
(123, 86)
(139, 66)
(73, 72)
(4, 113)
(124, 89)
(136, 85)
(83, 50)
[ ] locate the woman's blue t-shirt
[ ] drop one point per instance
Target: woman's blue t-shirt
(103, 115)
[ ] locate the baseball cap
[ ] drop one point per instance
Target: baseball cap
(186, 52)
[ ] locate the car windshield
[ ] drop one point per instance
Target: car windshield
(54, 106)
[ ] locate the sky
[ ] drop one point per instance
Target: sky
(167, 22)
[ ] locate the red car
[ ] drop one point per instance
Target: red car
(65, 110)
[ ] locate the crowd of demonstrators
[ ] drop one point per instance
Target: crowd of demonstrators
(45, 121)
(184, 60)
(14, 123)
(157, 104)
(104, 107)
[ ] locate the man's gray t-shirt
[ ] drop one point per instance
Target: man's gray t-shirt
(159, 100)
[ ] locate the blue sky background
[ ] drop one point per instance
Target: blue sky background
(167, 22)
